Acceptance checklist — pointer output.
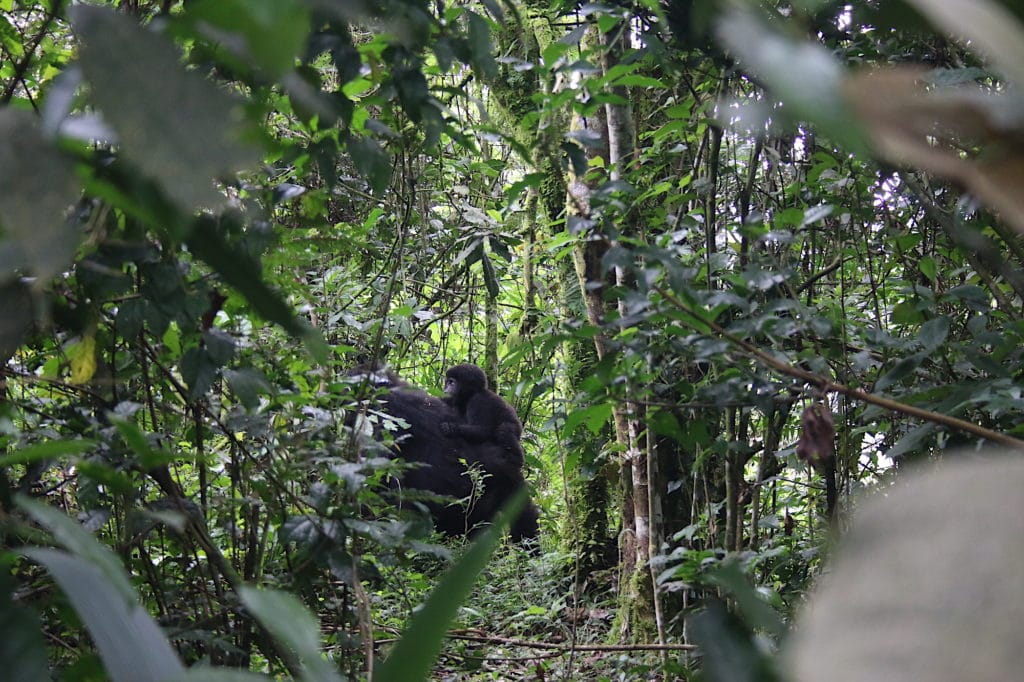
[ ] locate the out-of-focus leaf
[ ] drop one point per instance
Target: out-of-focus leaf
(131, 644)
(22, 648)
(729, 651)
(933, 333)
(371, 160)
(414, 655)
(757, 612)
(178, 127)
(15, 316)
(47, 450)
(38, 186)
(248, 384)
(76, 540)
(479, 41)
(901, 371)
(199, 371)
(239, 270)
(285, 617)
(913, 124)
(927, 584)
(992, 30)
(137, 441)
(274, 31)
(804, 75)
(201, 674)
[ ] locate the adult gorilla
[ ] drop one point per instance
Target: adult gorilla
(443, 461)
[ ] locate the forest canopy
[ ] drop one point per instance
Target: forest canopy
(728, 269)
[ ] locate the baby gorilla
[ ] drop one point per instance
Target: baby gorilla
(484, 416)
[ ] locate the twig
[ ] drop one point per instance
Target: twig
(562, 648)
(21, 68)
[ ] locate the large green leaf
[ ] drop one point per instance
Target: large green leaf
(79, 542)
(241, 272)
(131, 644)
(285, 617)
(175, 125)
(804, 75)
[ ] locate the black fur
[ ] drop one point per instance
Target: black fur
(444, 459)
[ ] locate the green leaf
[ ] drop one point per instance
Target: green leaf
(555, 51)
(22, 648)
(928, 268)
(756, 611)
(371, 160)
(199, 371)
(804, 75)
(933, 333)
(903, 369)
(636, 80)
(287, 619)
(907, 312)
(131, 644)
(16, 316)
(174, 124)
(49, 450)
(479, 38)
(202, 674)
(79, 542)
(38, 186)
(490, 277)
(148, 455)
(239, 270)
(248, 384)
(413, 656)
(274, 31)
(9, 37)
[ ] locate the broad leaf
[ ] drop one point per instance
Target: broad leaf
(79, 542)
(175, 125)
(22, 648)
(38, 187)
(291, 622)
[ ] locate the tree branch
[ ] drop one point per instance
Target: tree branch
(830, 386)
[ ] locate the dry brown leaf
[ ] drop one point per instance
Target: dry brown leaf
(817, 444)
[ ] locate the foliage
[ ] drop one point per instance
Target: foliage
(664, 230)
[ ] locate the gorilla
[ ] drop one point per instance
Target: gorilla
(443, 457)
(484, 415)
